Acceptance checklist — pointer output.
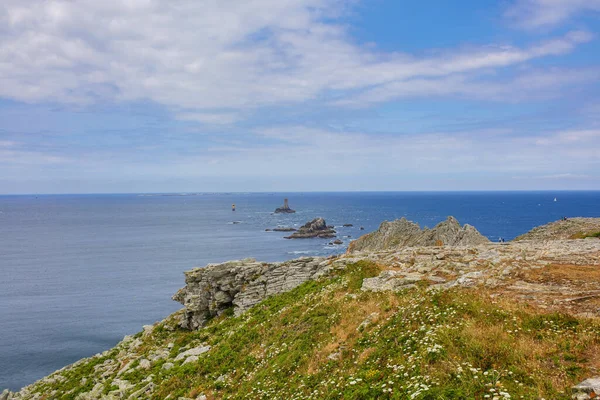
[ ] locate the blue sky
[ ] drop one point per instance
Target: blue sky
(297, 95)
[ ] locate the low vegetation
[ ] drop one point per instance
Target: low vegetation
(585, 235)
(327, 339)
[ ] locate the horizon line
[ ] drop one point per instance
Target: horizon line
(304, 191)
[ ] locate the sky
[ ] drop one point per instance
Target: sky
(121, 96)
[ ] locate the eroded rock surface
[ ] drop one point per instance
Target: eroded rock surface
(403, 233)
(240, 285)
(561, 275)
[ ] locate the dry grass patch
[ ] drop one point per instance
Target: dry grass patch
(559, 273)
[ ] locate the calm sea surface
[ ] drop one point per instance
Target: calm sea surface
(79, 272)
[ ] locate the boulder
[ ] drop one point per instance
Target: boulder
(588, 389)
(196, 351)
(313, 229)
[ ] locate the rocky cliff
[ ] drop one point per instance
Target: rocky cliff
(239, 285)
(478, 320)
(404, 233)
(571, 228)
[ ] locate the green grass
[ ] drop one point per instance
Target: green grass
(457, 344)
(584, 235)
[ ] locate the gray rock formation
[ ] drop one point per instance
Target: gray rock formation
(285, 209)
(284, 229)
(404, 233)
(588, 389)
(315, 228)
(6, 395)
(212, 290)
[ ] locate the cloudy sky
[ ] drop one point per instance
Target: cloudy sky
(295, 95)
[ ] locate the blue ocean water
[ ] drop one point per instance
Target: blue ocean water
(81, 271)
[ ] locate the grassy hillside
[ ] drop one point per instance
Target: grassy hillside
(328, 340)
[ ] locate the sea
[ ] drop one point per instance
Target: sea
(79, 272)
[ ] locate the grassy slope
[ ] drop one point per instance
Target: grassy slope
(449, 345)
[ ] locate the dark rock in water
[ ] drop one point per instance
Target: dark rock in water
(362, 228)
(236, 222)
(315, 228)
(285, 230)
(338, 242)
(347, 225)
(268, 230)
(285, 209)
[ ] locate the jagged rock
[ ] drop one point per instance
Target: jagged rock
(338, 241)
(143, 393)
(315, 228)
(94, 394)
(6, 395)
(240, 284)
(196, 351)
(145, 364)
(167, 366)
(588, 389)
(285, 209)
(404, 233)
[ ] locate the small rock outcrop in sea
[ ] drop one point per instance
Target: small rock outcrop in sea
(285, 209)
(239, 285)
(315, 228)
(403, 233)
(285, 229)
(570, 228)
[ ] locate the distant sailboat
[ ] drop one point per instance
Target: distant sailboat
(555, 199)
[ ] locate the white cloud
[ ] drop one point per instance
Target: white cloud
(214, 58)
(527, 85)
(547, 13)
(209, 118)
(571, 137)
